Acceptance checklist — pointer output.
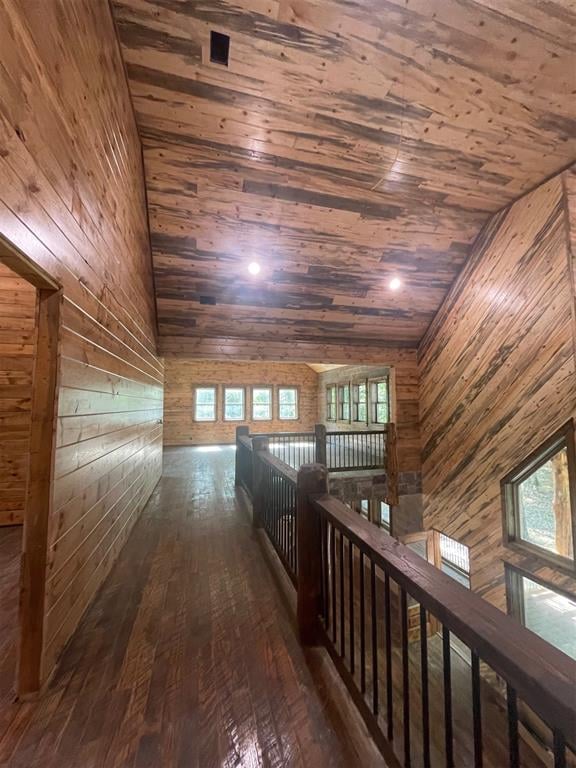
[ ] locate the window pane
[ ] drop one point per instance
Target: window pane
(205, 413)
(205, 404)
(550, 615)
(382, 391)
(361, 411)
(382, 413)
(234, 396)
(261, 403)
(205, 395)
(260, 411)
(362, 393)
(233, 404)
(287, 396)
(385, 515)
(287, 411)
(364, 508)
(543, 501)
(261, 396)
(288, 403)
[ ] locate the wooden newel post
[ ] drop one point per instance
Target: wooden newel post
(259, 444)
(312, 480)
(240, 431)
(392, 463)
(320, 433)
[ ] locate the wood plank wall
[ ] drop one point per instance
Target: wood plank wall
(497, 378)
(72, 199)
(182, 375)
(404, 398)
(17, 343)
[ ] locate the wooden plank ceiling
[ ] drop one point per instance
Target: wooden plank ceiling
(345, 143)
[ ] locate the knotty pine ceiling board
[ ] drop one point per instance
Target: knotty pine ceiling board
(345, 143)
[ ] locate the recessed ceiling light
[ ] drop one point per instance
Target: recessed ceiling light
(254, 268)
(395, 283)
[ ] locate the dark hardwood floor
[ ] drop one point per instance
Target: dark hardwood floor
(187, 658)
(10, 551)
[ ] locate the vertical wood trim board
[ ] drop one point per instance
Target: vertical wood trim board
(497, 377)
(17, 345)
(72, 200)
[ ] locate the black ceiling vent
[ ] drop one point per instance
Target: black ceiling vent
(208, 300)
(219, 47)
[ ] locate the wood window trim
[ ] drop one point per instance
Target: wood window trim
(373, 401)
(331, 388)
(194, 394)
(297, 390)
(270, 388)
(563, 437)
(340, 401)
(354, 403)
(513, 576)
(234, 386)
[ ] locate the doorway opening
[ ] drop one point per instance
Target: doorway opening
(29, 349)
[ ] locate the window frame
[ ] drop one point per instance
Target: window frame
(278, 403)
(340, 402)
(331, 388)
(513, 575)
(355, 401)
(373, 399)
(270, 388)
(511, 524)
(194, 403)
(385, 526)
(225, 387)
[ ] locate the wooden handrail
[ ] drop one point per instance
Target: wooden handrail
(280, 466)
(543, 676)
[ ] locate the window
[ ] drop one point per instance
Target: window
(287, 403)
(359, 404)
(233, 404)
(331, 403)
(364, 508)
(380, 401)
(205, 404)
(543, 609)
(385, 516)
(539, 501)
(261, 403)
(455, 559)
(344, 402)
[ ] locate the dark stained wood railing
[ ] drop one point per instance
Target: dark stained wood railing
(347, 451)
(388, 618)
(275, 508)
(360, 603)
(244, 470)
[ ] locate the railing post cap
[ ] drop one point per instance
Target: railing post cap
(313, 475)
(260, 443)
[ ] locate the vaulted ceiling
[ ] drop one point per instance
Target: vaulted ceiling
(347, 142)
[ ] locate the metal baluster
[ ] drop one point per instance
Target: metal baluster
(325, 570)
(362, 627)
(333, 579)
(351, 601)
(424, 684)
(388, 640)
(476, 710)
(342, 617)
(512, 705)
(405, 678)
(559, 750)
(448, 735)
(374, 637)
